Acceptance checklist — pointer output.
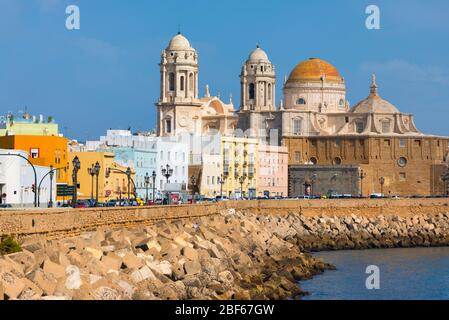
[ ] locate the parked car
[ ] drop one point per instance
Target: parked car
(5, 206)
(376, 195)
(221, 198)
(82, 205)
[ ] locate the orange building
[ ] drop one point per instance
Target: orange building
(43, 151)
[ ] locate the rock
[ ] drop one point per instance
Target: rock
(30, 291)
(55, 270)
(12, 285)
(112, 262)
(45, 282)
(142, 274)
(73, 280)
(131, 261)
(192, 267)
(242, 295)
(105, 293)
(95, 252)
(190, 253)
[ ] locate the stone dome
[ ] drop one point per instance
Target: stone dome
(374, 103)
(179, 42)
(258, 55)
(315, 69)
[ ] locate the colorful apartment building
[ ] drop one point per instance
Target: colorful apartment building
(240, 167)
(273, 171)
(112, 180)
(44, 151)
(28, 125)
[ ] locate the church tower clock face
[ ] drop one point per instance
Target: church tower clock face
(183, 121)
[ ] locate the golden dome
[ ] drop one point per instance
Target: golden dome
(315, 69)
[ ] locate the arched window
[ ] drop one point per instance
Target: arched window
(182, 83)
(359, 126)
(168, 125)
(171, 81)
(269, 91)
(252, 91)
(191, 84)
(341, 103)
(337, 161)
(297, 126)
(301, 101)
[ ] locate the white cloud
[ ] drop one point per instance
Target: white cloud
(409, 72)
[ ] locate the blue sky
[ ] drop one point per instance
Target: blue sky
(106, 75)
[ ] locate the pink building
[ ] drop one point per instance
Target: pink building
(273, 171)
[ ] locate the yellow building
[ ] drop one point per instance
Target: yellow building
(240, 167)
(112, 183)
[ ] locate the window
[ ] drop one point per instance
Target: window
(337, 142)
(297, 156)
(402, 176)
(297, 127)
(337, 161)
(251, 91)
(341, 103)
(191, 84)
(269, 91)
(313, 160)
(171, 81)
(182, 83)
(168, 126)
(386, 126)
(417, 143)
(34, 153)
(301, 101)
(402, 162)
(386, 143)
(402, 143)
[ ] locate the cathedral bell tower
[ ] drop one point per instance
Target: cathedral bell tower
(178, 87)
(257, 94)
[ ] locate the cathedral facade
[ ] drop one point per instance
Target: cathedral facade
(371, 147)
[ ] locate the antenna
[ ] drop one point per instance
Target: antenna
(179, 29)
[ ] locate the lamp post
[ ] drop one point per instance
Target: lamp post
(221, 181)
(154, 186)
(128, 174)
(76, 167)
(91, 172)
(362, 176)
(382, 182)
(97, 173)
(52, 172)
(193, 184)
(241, 181)
(167, 172)
(147, 182)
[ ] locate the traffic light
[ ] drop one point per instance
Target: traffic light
(33, 187)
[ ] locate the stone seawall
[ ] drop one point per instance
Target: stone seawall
(232, 250)
(60, 223)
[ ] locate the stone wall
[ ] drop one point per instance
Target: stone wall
(58, 223)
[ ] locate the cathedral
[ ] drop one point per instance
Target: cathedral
(369, 148)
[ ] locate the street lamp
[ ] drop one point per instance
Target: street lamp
(128, 174)
(241, 181)
(76, 167)
(147, 182)
(154, 186)
(382, 182)
(91, 172)
(193, 184)
(167, 172)
(362, 176)
(97, 173)
(221, 181)
(52, 172)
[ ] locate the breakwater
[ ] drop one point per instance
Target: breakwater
(231, 250)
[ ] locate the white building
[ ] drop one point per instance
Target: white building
(17, 180)
(172, 151)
